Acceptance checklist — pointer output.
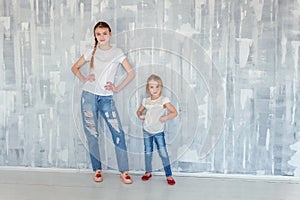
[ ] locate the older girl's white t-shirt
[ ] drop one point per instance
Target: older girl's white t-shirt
(154, 110)
(106, 63)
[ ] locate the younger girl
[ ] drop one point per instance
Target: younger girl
(153, 126)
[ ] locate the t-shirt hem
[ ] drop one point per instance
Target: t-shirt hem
(155, 132)
(97, 93)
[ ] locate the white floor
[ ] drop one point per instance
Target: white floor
(43, 184)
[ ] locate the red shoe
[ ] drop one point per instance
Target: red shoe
(146, 177)
(171, 181)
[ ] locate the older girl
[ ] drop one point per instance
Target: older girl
(97, 97)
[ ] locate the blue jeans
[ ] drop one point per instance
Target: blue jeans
(91, 106)
(159, 139)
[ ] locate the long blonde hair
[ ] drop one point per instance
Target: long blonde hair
(100, 24)
(155, 78)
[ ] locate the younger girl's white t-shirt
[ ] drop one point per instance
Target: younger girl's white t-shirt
(106, 63)
(154, 110)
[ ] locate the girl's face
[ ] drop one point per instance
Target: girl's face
(103, 36)
(154, 89)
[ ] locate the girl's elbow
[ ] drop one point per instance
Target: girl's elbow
(73, 69)
(132, 74)
(175, 114)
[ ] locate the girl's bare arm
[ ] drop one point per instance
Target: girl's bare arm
(172, 113)
(75, 69)
(139, 112)
(130, 76)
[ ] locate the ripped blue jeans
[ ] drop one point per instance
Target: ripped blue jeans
(159, 139)
(91, 106)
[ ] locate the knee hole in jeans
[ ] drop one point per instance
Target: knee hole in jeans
(113, 121)
(89, 120)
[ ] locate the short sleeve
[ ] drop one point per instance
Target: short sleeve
(88, 53)
(121, 55)
(144, 102)
(165, 100)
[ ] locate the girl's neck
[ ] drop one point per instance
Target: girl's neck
(105, 47)
(155, 97)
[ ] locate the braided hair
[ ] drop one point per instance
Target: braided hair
(100, 24)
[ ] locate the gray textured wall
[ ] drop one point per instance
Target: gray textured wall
(229, 66)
